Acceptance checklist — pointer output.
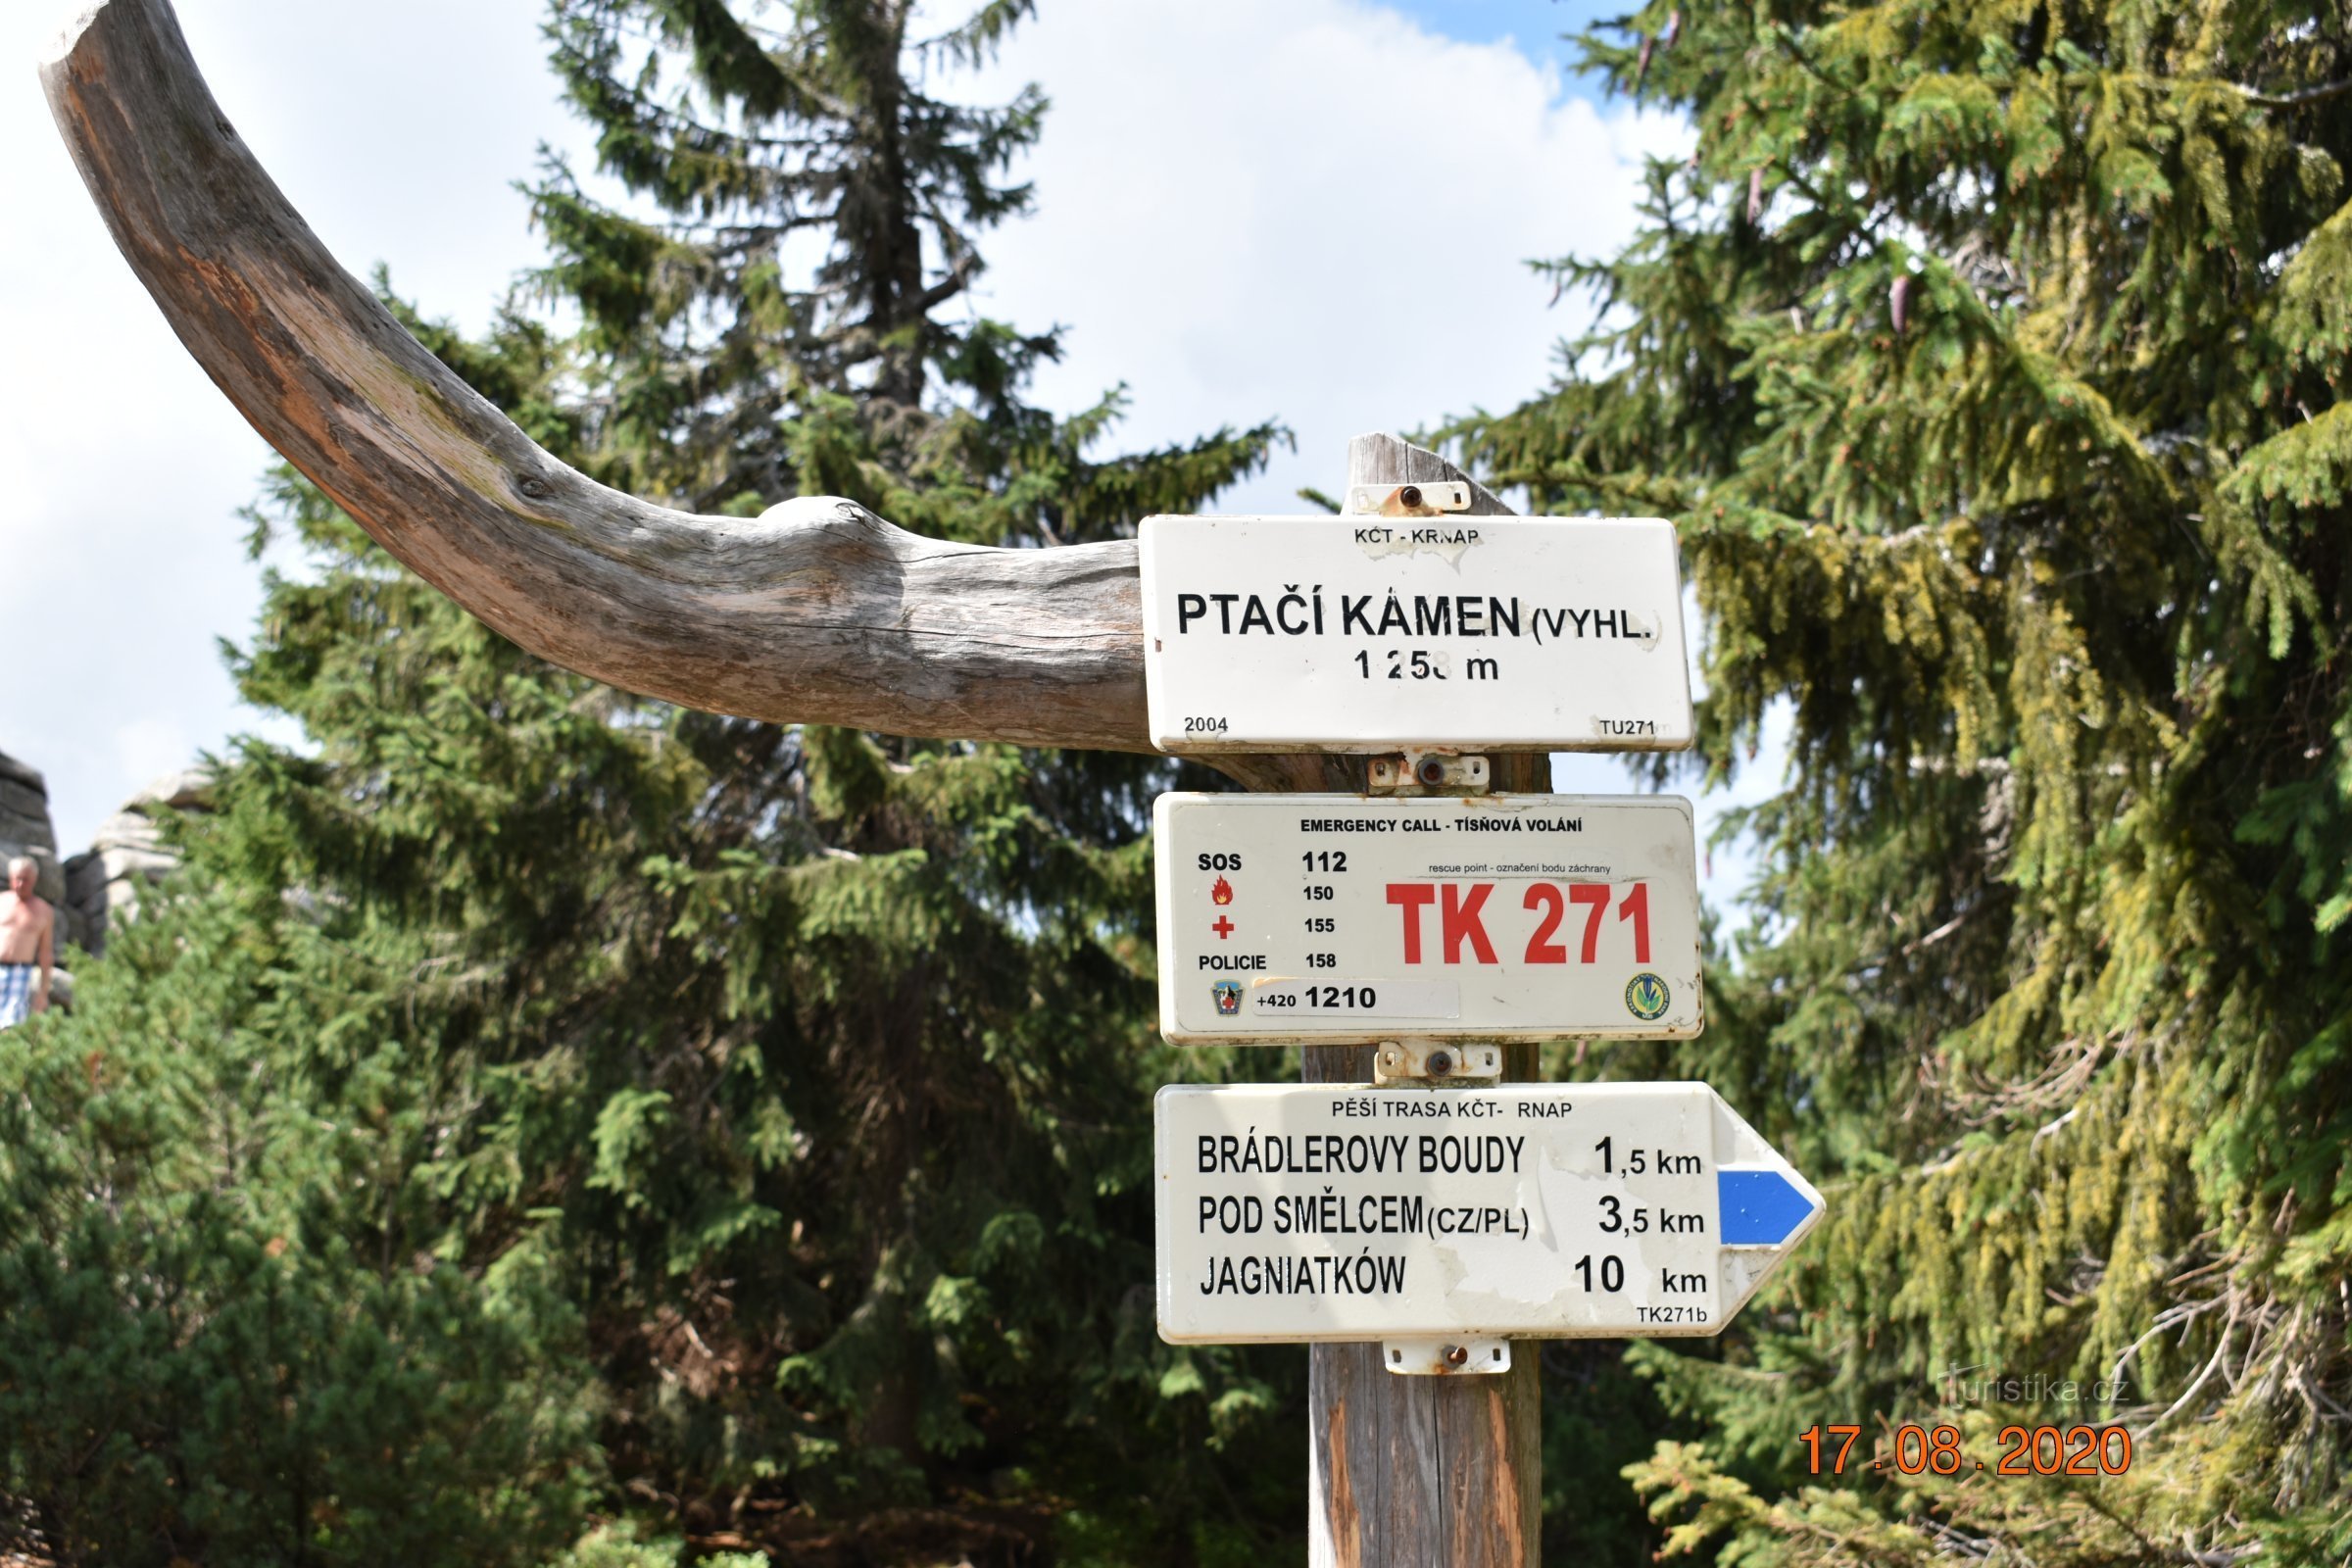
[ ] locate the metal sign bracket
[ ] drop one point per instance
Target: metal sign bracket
(1428, 1062)
(1426, 773)
(1430, 500)
(1445, 1358)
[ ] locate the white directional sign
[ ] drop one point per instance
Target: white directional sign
(1344, 634)
(1319, 1212)
(1289, 918)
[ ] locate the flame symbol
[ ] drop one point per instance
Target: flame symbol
(1220, 892)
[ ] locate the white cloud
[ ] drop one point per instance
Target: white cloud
(1315, 212)
(149, 748)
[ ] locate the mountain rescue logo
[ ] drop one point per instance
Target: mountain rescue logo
(1647, 997)
(1229, 997)
(1220, 892)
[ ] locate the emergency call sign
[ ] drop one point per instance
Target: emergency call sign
(1351, 633)
(1343, 917)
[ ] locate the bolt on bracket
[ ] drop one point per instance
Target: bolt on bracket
(1434, 1061)
(1428, 773)
(1444, 1358)
(1428, 500)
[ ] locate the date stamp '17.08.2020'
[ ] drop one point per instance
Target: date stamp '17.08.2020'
(1917, 1451)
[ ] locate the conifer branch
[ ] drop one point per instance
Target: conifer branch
(958, 278)
(2293, 100)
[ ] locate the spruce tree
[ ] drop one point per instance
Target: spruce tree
(724, 381)
(1990, 360)
(213, 1346)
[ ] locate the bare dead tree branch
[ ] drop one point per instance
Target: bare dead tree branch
(816, 611)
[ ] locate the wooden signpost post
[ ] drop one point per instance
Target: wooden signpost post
(1497, 649)
(1421, 1469)
(1407, 1213)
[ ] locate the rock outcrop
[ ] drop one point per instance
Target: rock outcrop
(128, 855)
(85, 905)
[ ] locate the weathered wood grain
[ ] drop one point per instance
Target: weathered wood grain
(1414, 1471)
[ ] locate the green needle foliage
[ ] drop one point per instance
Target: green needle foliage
(552, 1105)
(1990, 358)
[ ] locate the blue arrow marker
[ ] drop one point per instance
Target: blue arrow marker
(1760, 1207)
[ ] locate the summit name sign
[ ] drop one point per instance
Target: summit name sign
(1344, 634)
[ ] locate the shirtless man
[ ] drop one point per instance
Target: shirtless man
(27, 944)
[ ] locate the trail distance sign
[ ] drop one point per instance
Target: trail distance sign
(1323, 1211)
(1346, 634)
(1345, 918)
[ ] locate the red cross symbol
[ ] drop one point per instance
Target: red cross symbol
(1223, 928)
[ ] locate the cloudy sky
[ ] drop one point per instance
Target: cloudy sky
(1316, 211)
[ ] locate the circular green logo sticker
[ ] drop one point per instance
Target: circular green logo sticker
(1647, 997)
